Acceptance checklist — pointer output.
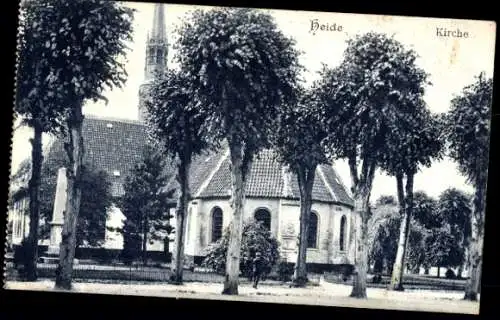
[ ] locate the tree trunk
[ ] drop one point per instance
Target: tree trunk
(236, 226)
(145, 238)
(426, 270)
(406, 205)
(460, 271)
(34, 205)
(181, 213)
(305, 179)
(360, 242)
(68, 242)
(476, 243)
(439, 272)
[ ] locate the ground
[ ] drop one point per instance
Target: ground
(326, 294)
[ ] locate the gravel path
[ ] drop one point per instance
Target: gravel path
(326, 294)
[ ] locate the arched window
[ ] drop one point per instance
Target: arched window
(264, 216)
(216, 224)
(342, 233)
(312, 234)
(159, 56)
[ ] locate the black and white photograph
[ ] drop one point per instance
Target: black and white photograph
(250, 154)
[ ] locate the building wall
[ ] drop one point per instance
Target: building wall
(284, 226)
(114, 239)
(19, 216)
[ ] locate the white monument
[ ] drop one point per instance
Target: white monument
(57, 222)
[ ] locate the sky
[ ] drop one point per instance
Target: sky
(452, 64)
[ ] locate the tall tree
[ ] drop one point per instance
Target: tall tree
(37, 105)
(416, 142)
(82, 44)
(177, 124)
(145, 203)
(300, 146)
(425, 218)
(382, 230)
(468, 124)
(454, 208)
(243, 69)
(365, 98)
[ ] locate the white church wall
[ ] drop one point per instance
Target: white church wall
(285, 223)
(114, 239)
(339, 255)
(289, 217)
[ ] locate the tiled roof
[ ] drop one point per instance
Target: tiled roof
(117, 145)
(266, 179)
(114, 146)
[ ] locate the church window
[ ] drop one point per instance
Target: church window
(343, 222)
(263, 216)
(159, 56)
(312, 235)
(216, 224)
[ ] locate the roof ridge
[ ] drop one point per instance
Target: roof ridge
(327, 185)
(205, 183)
(115, 119)
(341, 182)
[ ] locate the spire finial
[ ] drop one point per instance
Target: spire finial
(158, 31)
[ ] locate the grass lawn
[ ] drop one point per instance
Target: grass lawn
(326, 294)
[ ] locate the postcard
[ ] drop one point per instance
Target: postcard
(261, 155)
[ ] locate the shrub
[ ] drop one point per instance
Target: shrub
(255, 238)
(450, 274)
(285, 271)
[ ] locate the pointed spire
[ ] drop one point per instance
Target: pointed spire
(156, 53)
(158, 31)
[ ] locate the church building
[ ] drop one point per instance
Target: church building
(272, 193)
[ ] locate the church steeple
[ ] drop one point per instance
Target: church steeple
(157, 44)
(156, 54)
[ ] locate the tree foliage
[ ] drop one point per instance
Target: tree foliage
(243, 69)
(255, 238)
(176, 122)
(75, 48)
(370, 93)
(145, 204)
(468, 128)
(383, 230)
(300, 134)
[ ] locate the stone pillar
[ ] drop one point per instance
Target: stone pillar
(57, 222)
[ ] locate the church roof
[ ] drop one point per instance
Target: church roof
(112, 145)
(211, 178)
(116, 146)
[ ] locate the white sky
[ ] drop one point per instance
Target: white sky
(452, 64)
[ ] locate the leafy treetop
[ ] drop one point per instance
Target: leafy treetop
(469, 128)
(243, 69)
(300, 137)
(72, 52)
(376, 86)
(176, 121)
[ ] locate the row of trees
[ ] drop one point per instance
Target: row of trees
(238, 82)
(439, 234)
